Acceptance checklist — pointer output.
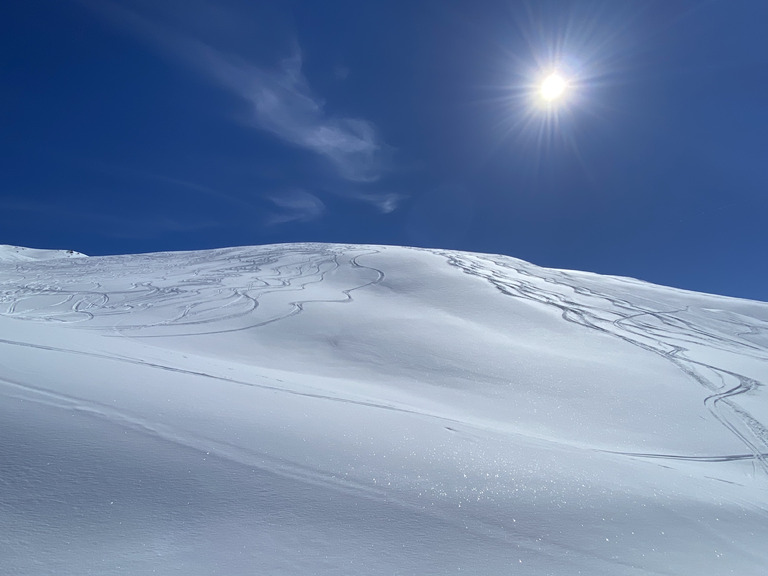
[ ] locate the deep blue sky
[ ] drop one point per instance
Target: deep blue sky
(146, 125)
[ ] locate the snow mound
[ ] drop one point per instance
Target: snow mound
(340, 409)
(20, 254)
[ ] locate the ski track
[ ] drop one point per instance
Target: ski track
(280, 386)
(205, 445)
(240, 281)
(620, 318)
(185, 300)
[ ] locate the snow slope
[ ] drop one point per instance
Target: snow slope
(327, 409)
(21, 254)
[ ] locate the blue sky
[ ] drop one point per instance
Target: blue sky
(141, 125)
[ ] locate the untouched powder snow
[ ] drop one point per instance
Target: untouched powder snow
(327, 409)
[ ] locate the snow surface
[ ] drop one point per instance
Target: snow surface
(21, 254)
(327, 409)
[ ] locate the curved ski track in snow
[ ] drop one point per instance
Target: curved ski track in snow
(620, 318)
(232, 284)
(233, 288)
(351, 436)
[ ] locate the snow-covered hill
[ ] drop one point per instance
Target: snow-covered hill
(21, 254)
(326, 409)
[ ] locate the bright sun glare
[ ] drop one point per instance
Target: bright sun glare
(553, 87)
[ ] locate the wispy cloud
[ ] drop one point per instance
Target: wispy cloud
(284, 105)
(388, 202)
(295, 206)
(282, 102)
(385, 202)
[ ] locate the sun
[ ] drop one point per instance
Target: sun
(553, 88)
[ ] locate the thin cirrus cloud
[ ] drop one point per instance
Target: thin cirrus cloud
(284, 105)
(385, 202)
(282, 101)
(295, 206)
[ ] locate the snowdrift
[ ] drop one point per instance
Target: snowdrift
(21, 254)
(328, 409)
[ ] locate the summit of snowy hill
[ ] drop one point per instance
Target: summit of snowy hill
(340, 409)
(20, 254)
